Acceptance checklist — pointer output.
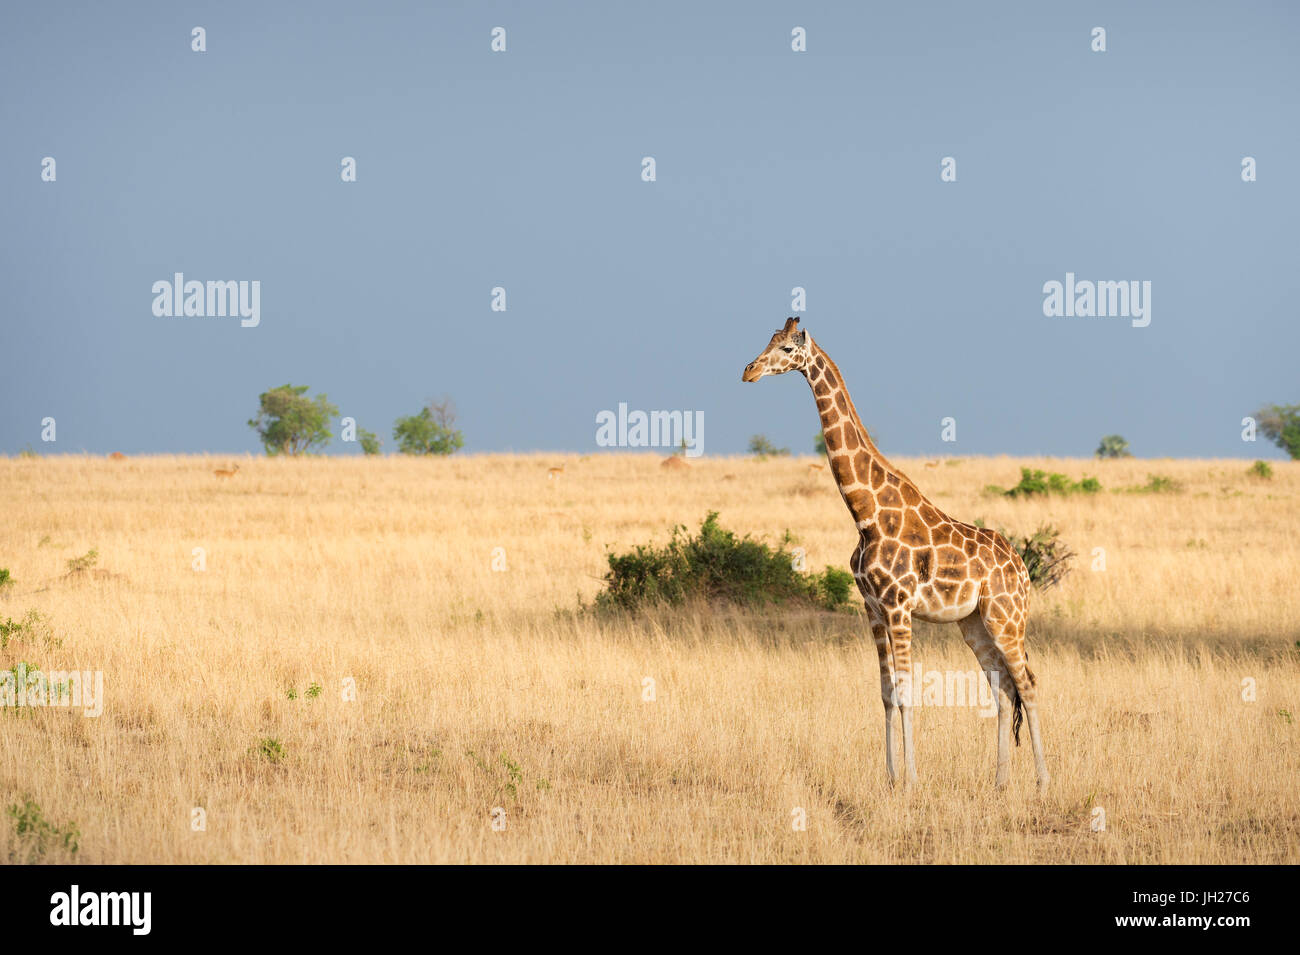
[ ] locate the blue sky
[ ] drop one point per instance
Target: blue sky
(775, 169)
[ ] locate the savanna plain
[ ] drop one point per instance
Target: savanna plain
(386, 660)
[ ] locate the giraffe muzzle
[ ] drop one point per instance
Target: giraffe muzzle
(751, 373)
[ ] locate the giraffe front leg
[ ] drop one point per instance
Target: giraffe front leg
(900, 639)
(888, 695)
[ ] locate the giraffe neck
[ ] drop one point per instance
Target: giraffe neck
(854, 457)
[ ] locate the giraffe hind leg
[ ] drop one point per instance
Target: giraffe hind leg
(995, 670)
(1008, 634)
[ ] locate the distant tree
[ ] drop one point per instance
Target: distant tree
(764, 448)
(819, 442)
(429, 431)
(288, 422)
(368, 440)
(1281, 425)
(1113, 446)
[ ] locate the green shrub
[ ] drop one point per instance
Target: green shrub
(835, 586)
(819, 442)
(84, 562)
(33, 630)
(1281, 425)
(6, 580)
(429, 431)
(368, 440)
(1262, 470)
(1035, 482)
(1113, 446)
(1046, 557)
(759, 445)
(1158, 484)
(269, 749)
(716, 564)
(35, 835)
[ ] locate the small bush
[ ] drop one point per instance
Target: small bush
(6, 580)
(430, 430)
(1113, 446)
(269, 749)
(716, 564)
(759, 445)
(84, 562)
(1262, 470)
(35, 835)
(1046, 557)
(835, 586)
(1035, 482)
(31, 631)
(1158, 484)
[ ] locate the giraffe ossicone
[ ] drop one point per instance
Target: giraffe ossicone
(913, 562)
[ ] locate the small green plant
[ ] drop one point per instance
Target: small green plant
(1158, 484)
(6, 579)
(32, 630)
(86, 561)
(1045, 555)
(1036, 483)
(369, 441)
(1286, 715)
(35, 835)
(514, 774)
(761, 447)
(313, 691)
(1262, 470)
(835, 585)
(292, 693)
(269, 749)
(1113, 446)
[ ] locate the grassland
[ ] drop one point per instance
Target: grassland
(478, 686)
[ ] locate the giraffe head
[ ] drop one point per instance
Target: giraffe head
(789, 350)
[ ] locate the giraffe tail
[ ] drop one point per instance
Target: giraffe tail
(1018, 715)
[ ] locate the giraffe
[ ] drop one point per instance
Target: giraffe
(913, 562)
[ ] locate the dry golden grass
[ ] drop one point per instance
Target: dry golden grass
(381, 571)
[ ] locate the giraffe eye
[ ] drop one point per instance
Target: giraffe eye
(788, 348)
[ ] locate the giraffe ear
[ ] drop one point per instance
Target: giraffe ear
(800, 338)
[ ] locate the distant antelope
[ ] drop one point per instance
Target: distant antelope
(553, 474)
(931, 464)
(226, 472)
(815, 467)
